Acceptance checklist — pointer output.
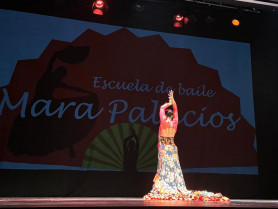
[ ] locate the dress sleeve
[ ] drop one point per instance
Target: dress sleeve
(175, 112)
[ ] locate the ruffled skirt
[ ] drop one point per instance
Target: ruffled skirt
(169, 182)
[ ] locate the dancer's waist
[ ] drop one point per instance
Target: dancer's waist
(166, 140)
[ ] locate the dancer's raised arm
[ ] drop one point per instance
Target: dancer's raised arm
(162, 115)
(175, 107)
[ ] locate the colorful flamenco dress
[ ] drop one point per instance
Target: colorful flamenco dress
(169, 182)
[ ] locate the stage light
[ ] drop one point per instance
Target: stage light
(97, 12)
(210, 19)
(179, 18)
(185, 20)
(178, 21)
(235, 22)
(139, 7)
(99, 4)
(192, 19)
(98, 7)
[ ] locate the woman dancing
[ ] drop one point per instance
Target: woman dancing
(169, 182)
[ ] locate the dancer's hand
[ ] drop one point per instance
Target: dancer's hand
(171, 97)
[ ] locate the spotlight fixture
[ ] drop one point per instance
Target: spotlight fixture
(185, 20)
(179, 18)
(98, 7)
(192, 19)
(99, 4)
(235, 22)
(210, 19)
(138, 7)
(178, 21)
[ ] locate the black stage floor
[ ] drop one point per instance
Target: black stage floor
(94, 202)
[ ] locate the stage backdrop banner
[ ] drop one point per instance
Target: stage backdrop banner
(84, 96)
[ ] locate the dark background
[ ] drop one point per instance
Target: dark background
(259, 27)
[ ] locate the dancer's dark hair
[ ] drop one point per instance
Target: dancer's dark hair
(169, 112)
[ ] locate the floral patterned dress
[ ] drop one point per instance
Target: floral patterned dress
(169, 182)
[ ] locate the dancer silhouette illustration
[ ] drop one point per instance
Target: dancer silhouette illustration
(43, 134)
(131, 150)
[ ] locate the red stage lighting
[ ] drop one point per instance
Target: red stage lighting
(97, 12)
(185, 20)
(99, 4)
(98, 7)
(178, 18)
(178, 21)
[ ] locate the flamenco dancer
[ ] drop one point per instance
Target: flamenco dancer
(169, 182)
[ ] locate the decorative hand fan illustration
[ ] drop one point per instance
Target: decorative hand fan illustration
(123, 147)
